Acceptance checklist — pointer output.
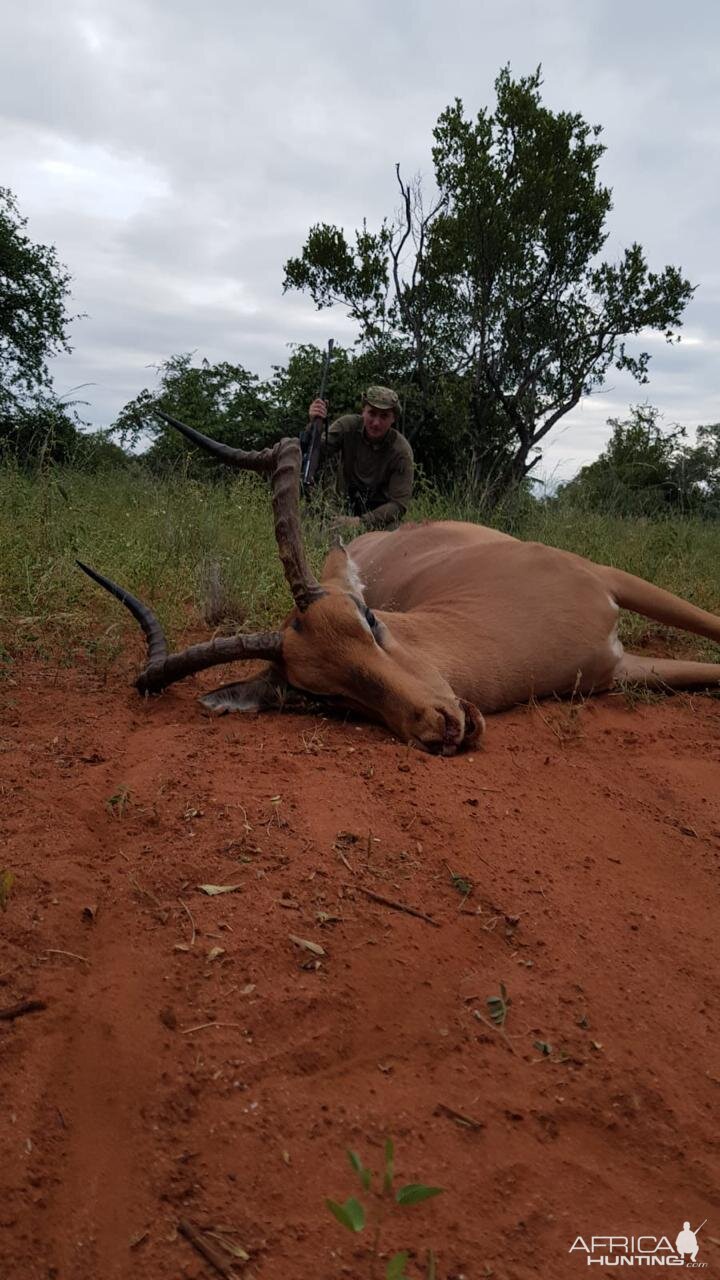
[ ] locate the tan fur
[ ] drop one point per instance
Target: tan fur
(472, 621)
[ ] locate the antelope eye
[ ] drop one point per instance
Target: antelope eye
(295, 624)
(371, 619)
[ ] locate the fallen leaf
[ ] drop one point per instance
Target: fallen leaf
(212, 889)
(235, 1250)
(315, 947)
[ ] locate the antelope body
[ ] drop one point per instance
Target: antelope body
(430, 626)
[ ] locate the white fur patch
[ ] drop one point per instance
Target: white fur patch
(356, 582)
(615, 643)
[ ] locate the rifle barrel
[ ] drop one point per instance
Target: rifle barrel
(325, 368)
(317, 424)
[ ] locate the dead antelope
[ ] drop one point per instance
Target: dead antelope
(428, 627)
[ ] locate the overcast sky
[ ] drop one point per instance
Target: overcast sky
(176, 154)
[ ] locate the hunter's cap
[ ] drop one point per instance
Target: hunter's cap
(382, 398)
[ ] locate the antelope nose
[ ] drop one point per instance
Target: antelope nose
(474, 724)
(447, 736)
(453, 732)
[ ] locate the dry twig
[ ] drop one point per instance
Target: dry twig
(198, 1239)
(204, 1025)
(190, 917)
(442, 1109)
(145, 893)
(494, 1027)
(53, 951)
(400, 906)
(22, 1007)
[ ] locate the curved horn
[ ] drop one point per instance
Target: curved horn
(164, 669)
(156, 642)
(248, 459)
(282, 463)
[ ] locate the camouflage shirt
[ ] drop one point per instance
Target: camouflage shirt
(376, 478)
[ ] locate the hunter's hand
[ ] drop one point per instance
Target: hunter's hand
(345, 522)
(318, 409)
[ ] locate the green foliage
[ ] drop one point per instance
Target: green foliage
(46, 432)
(416, 1192)
(37, 428)
(395, 1269)
(363, 1174)
(646, 470)
(294, 386)
(155, 536)
(231, 405)
(356, 276)
(33, 308)
(37, 431)
(354, 1216)
(222, 400)
(350, 1214)
(492, 300)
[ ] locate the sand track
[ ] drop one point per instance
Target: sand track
(593, 841)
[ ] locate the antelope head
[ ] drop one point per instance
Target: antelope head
(329, 646)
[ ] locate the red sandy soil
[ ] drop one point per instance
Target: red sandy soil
(222, 1079)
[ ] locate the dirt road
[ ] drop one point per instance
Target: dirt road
(196, 1061)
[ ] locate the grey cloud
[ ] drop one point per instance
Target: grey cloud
(177, 156)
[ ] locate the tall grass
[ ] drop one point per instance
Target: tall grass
(174, 541)
(168, 541)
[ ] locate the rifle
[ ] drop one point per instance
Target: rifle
(312, 457)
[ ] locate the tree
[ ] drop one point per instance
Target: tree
(222, 400)
(699, 467)
(647, 470)
(34, 290)
(294, 385)
(494, 295)
(229, 403)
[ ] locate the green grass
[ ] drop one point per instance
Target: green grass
(175, 541)
(165, 540)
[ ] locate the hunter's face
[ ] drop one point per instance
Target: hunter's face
(377, 422)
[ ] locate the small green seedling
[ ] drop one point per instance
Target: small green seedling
(461, 884)
(116, 804)
(355, 1216)
(498, 1006)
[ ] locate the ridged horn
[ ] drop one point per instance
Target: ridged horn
(282, 463)
(165, 668)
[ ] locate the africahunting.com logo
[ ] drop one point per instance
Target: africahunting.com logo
(641, 1251)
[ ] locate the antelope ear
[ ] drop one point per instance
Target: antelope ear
(269, 691)
(341, 571)
(266, 692)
